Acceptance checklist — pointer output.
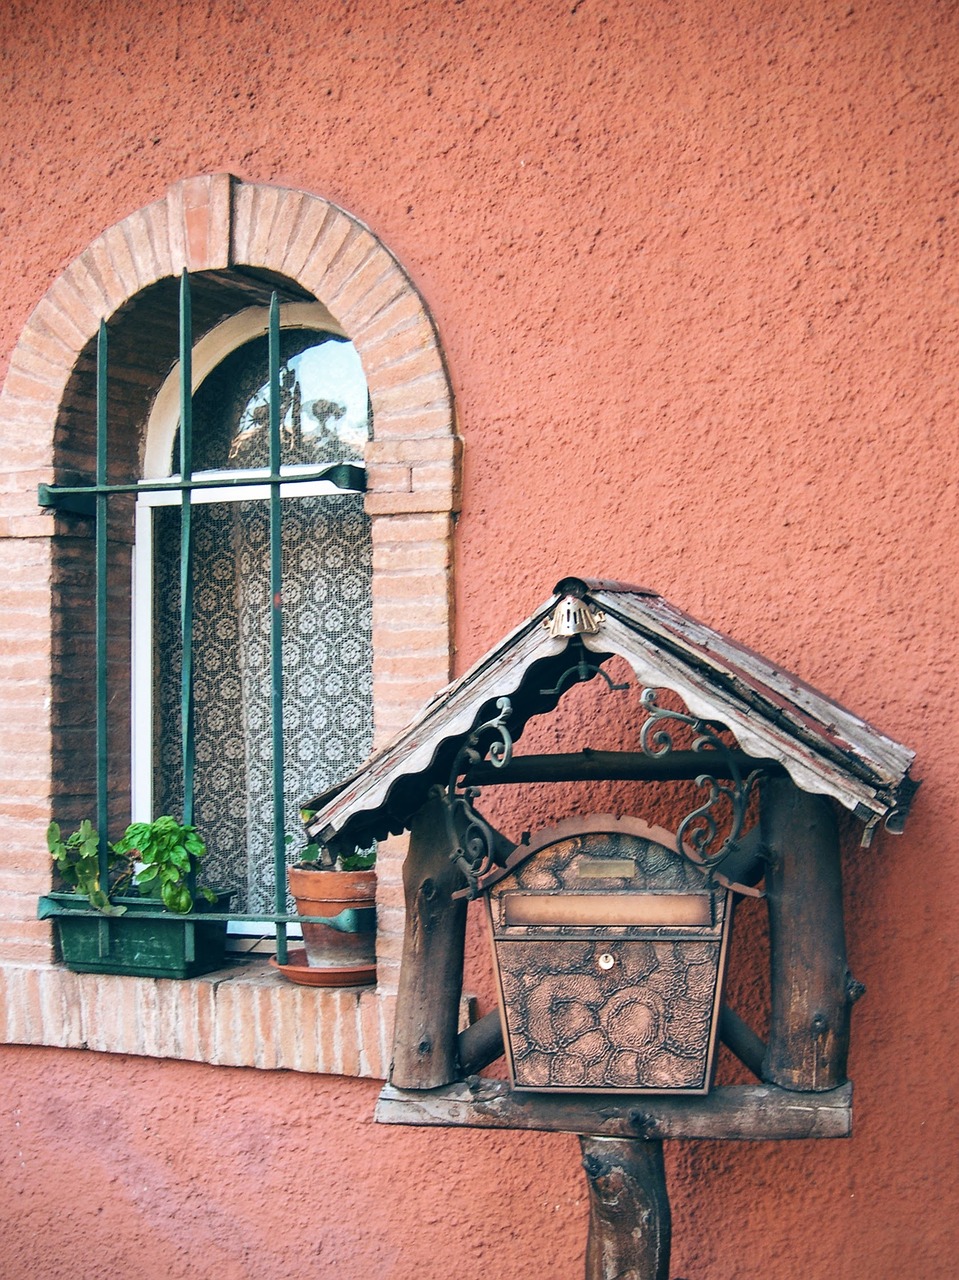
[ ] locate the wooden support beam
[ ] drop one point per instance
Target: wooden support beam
(425, 1051)
(746, 863)
(739, 1036)
(744, 1112)
(811, 988)
(480, 1044)
(629, 1220)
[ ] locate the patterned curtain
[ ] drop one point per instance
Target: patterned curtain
(327, 672)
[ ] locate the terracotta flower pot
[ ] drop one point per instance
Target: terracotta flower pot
(347, 900)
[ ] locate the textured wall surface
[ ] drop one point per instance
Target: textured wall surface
(695, 273)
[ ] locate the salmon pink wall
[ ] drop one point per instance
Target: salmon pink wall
(694, 267)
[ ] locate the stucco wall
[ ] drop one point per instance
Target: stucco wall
(694, 270)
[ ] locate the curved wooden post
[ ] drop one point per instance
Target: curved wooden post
(425, 1050)
(812, 991)
(629, 1220)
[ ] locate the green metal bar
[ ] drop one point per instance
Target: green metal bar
(276, 630)
(350, 920)
(72, 504)
(91, 499)
(102, 571)
(345, 475)
(186, 547)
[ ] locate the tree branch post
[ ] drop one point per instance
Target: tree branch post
(629, 1220)
(811, 988)
(425, 1050)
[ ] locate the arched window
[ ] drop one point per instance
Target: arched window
(325, 418)
(240, 242)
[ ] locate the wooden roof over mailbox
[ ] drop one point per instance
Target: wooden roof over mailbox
(774, 716)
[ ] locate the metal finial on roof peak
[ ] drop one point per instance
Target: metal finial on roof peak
(574, 617)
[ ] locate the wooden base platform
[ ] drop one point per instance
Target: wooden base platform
(757, 1112)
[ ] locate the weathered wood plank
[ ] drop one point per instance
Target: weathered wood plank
(740, 1112)
(630, 1228)
(767, 730)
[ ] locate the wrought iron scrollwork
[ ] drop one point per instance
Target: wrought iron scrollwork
(580, 671)
(699, 830)
(473, 843)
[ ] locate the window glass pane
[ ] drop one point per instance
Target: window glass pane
(324, 405)
(327, 675)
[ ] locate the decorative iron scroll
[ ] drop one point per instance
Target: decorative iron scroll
(581, 671)
(699, 830)
(473, 843)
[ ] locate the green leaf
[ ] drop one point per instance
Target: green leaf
(357, 862)
(194, 844)
(102, 903)
(177, 898)
(53, 837)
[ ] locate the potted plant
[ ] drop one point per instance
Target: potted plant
(339, 948)
(142, 920)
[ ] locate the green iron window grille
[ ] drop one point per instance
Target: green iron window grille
(268, 429)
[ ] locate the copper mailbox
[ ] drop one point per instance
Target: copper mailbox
(610, 949)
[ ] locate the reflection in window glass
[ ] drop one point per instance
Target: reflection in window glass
(324, 405)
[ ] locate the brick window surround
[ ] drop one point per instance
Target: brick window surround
(239, 240)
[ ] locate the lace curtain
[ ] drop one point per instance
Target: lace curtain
(327, 672)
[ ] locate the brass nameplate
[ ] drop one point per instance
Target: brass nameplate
(604, 868)
(594, 910)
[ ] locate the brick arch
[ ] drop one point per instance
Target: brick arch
(215, 223)
(242, 239)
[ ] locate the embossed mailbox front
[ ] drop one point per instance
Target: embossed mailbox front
(610, 950)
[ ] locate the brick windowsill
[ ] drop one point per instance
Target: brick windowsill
(247, 1015)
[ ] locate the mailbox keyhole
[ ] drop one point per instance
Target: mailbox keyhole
(606, 961)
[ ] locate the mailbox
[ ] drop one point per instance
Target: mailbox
(610, 936)
(609, 951)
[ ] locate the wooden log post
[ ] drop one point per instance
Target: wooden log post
(425, 1050)
(812, 990)
(629, 1220)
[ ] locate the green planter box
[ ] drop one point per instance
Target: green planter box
(144, 942)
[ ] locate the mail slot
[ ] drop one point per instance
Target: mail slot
(609, 949)
(601, 911)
